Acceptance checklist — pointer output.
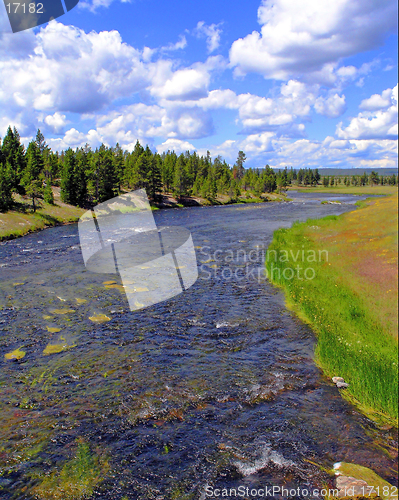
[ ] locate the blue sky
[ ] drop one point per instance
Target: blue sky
(304, 84)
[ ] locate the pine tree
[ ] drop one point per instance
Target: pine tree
(106, 179)
(33, 168)
(14, 152)
(240, 164)
(168, 170)
(130, 174)
(6, 185)
(119, 164)
(180, 177)
(48, 195)
(68, 178)
(35, 191)
(154, 177)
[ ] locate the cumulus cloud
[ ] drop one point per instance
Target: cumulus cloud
(189, 83)
(37, 84)
(282, 113)
(103, 68)
(56, 122)
(176, 145)
(183, 84)
(332, 106)
(211, 33)
(377, 101)
(299, 38)
(374, 123)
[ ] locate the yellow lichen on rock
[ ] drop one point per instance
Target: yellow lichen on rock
(114, 285)
(62, 311)
(56, 348)
(16, 354)
(53, 329)
(99, 318)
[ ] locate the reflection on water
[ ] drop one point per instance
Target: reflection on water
(216, 386)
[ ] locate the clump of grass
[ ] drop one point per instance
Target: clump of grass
(76, 480)
(347, 308)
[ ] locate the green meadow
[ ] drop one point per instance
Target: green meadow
(351, 302)
(22, 219)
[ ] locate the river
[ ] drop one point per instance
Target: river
(214, 388)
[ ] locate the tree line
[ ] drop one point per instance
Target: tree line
(372, 179)
(88, 176)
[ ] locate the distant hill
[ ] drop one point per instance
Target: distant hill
(357, 171)
(354, 171)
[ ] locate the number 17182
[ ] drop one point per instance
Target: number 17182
(22, 8)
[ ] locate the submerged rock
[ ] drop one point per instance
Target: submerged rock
(99, 318)
(350, 486)
(357, 481)
(16, 354)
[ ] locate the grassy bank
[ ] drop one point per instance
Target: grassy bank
(342, 189)
(351, 302)
(22, 220)
(169, 201)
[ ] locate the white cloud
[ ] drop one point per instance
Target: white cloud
(183, 84)
(211, 33)
(56, 122)
(190, 83)
(377, 101)
(70, 70)
(180, 44)
(299, 38)
(176, 145)
(258, 143)
(332, 106)
(377, 123)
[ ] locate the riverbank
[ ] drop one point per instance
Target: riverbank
(351, 301)
(22, 220)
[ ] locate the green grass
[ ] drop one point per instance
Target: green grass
(342, 189)
(22, 220)
(353, 318)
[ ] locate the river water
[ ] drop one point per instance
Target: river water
(214, 388)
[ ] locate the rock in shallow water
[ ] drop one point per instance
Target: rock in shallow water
(340, 382)
(349, 487)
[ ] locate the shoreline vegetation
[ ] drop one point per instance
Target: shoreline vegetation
(351, 303)
(22, 220)
(72, 181)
